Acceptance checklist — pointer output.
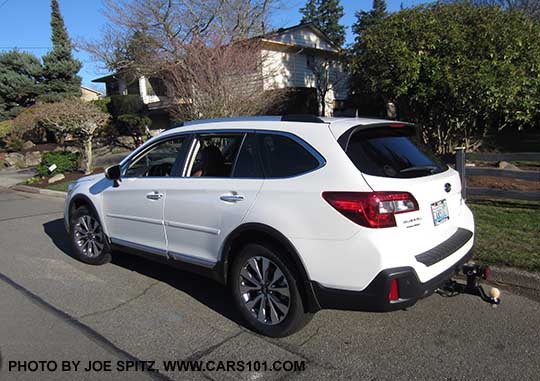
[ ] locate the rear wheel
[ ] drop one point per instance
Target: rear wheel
(88, 239)
(266, 291)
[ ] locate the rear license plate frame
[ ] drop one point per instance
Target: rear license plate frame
(439, 212)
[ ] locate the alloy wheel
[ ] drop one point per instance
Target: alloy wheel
(89, 236)
(264, 290)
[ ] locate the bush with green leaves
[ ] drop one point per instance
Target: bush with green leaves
(65, 162)
(460, 71)
(6, 126)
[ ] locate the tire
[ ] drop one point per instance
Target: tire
(89, 242)
(283, 312)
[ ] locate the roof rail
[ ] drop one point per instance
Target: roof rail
(302, 118)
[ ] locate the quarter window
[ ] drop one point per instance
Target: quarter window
(158, 161)
(284, 157)
(247, 165)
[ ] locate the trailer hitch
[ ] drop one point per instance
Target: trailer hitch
(473, 272)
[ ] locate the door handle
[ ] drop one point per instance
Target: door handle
(154, 195)
(231, 197)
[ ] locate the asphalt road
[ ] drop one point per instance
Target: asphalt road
(56, 308)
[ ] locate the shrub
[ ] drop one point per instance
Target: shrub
(103, 104)
(126, 104)
(65, 162)
(6, 126)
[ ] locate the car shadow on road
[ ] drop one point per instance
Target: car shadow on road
(206, 291)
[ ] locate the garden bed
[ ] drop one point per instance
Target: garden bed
(71, 177)
(505, 183)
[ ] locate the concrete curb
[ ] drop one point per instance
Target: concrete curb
(516, 277)
(35, 190)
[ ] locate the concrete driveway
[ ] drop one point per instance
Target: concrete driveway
(56, 308)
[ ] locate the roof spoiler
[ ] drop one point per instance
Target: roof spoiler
(344, 139)
(305, 118)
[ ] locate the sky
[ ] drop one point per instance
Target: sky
(25, 25)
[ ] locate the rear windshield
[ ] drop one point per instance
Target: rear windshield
(392, 152)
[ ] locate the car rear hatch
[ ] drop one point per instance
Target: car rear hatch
(391, 159)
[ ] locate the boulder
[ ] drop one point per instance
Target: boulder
(32, 158)
(56, 178)
(72, 149)
(507, 165)
(126, 141)
(28, 145)
(15, 159)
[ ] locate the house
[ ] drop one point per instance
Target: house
(299, 58)
(88, 94)
(294, 59)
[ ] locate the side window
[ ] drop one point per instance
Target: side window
(214, 155)
(284, 157)
(158, 161)
(247, 164)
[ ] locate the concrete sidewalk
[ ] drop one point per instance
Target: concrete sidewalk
(11, 177)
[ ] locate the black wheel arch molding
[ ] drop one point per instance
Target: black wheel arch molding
(257, 232)
(82, 199)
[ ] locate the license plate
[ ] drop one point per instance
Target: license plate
(439, 210)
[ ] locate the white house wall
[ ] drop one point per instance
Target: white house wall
(304, 37)
(282, 69)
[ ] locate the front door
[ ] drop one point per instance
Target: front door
(134, 209)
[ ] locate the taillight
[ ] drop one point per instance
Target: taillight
(372, 209)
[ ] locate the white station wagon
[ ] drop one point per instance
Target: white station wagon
(294, 214)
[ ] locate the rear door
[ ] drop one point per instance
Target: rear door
(392, 159)
(221, 181)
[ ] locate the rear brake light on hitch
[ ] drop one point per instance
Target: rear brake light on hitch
(473, 272)
(372, 209)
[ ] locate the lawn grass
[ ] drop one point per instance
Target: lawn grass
(62, 186)
(507, 233)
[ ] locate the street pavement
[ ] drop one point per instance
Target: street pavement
(55, 308)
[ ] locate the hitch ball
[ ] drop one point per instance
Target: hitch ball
(495, 293)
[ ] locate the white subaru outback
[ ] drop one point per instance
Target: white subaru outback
(295, 214)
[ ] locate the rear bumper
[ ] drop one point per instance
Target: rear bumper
(374, 297)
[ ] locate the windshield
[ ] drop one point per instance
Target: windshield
(392, 152)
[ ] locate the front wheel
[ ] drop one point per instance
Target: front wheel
(266, 291)
(88, 239)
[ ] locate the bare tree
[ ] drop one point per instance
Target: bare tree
(218, 80)
(329, 75)
(203, 49)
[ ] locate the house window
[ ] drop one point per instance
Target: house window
(133, 88)
(310, 61)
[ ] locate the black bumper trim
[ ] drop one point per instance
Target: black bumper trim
(374, 298)
(445, 249)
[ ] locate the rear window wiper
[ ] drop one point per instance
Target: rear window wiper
(428, 168)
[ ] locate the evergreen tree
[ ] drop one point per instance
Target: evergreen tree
(365, 19)
(368, 102)
(20, 73)
(325, 15)
(60, 79)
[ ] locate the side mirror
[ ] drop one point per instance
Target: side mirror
(114, 172)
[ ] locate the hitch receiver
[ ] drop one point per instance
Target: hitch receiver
(474, 272)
